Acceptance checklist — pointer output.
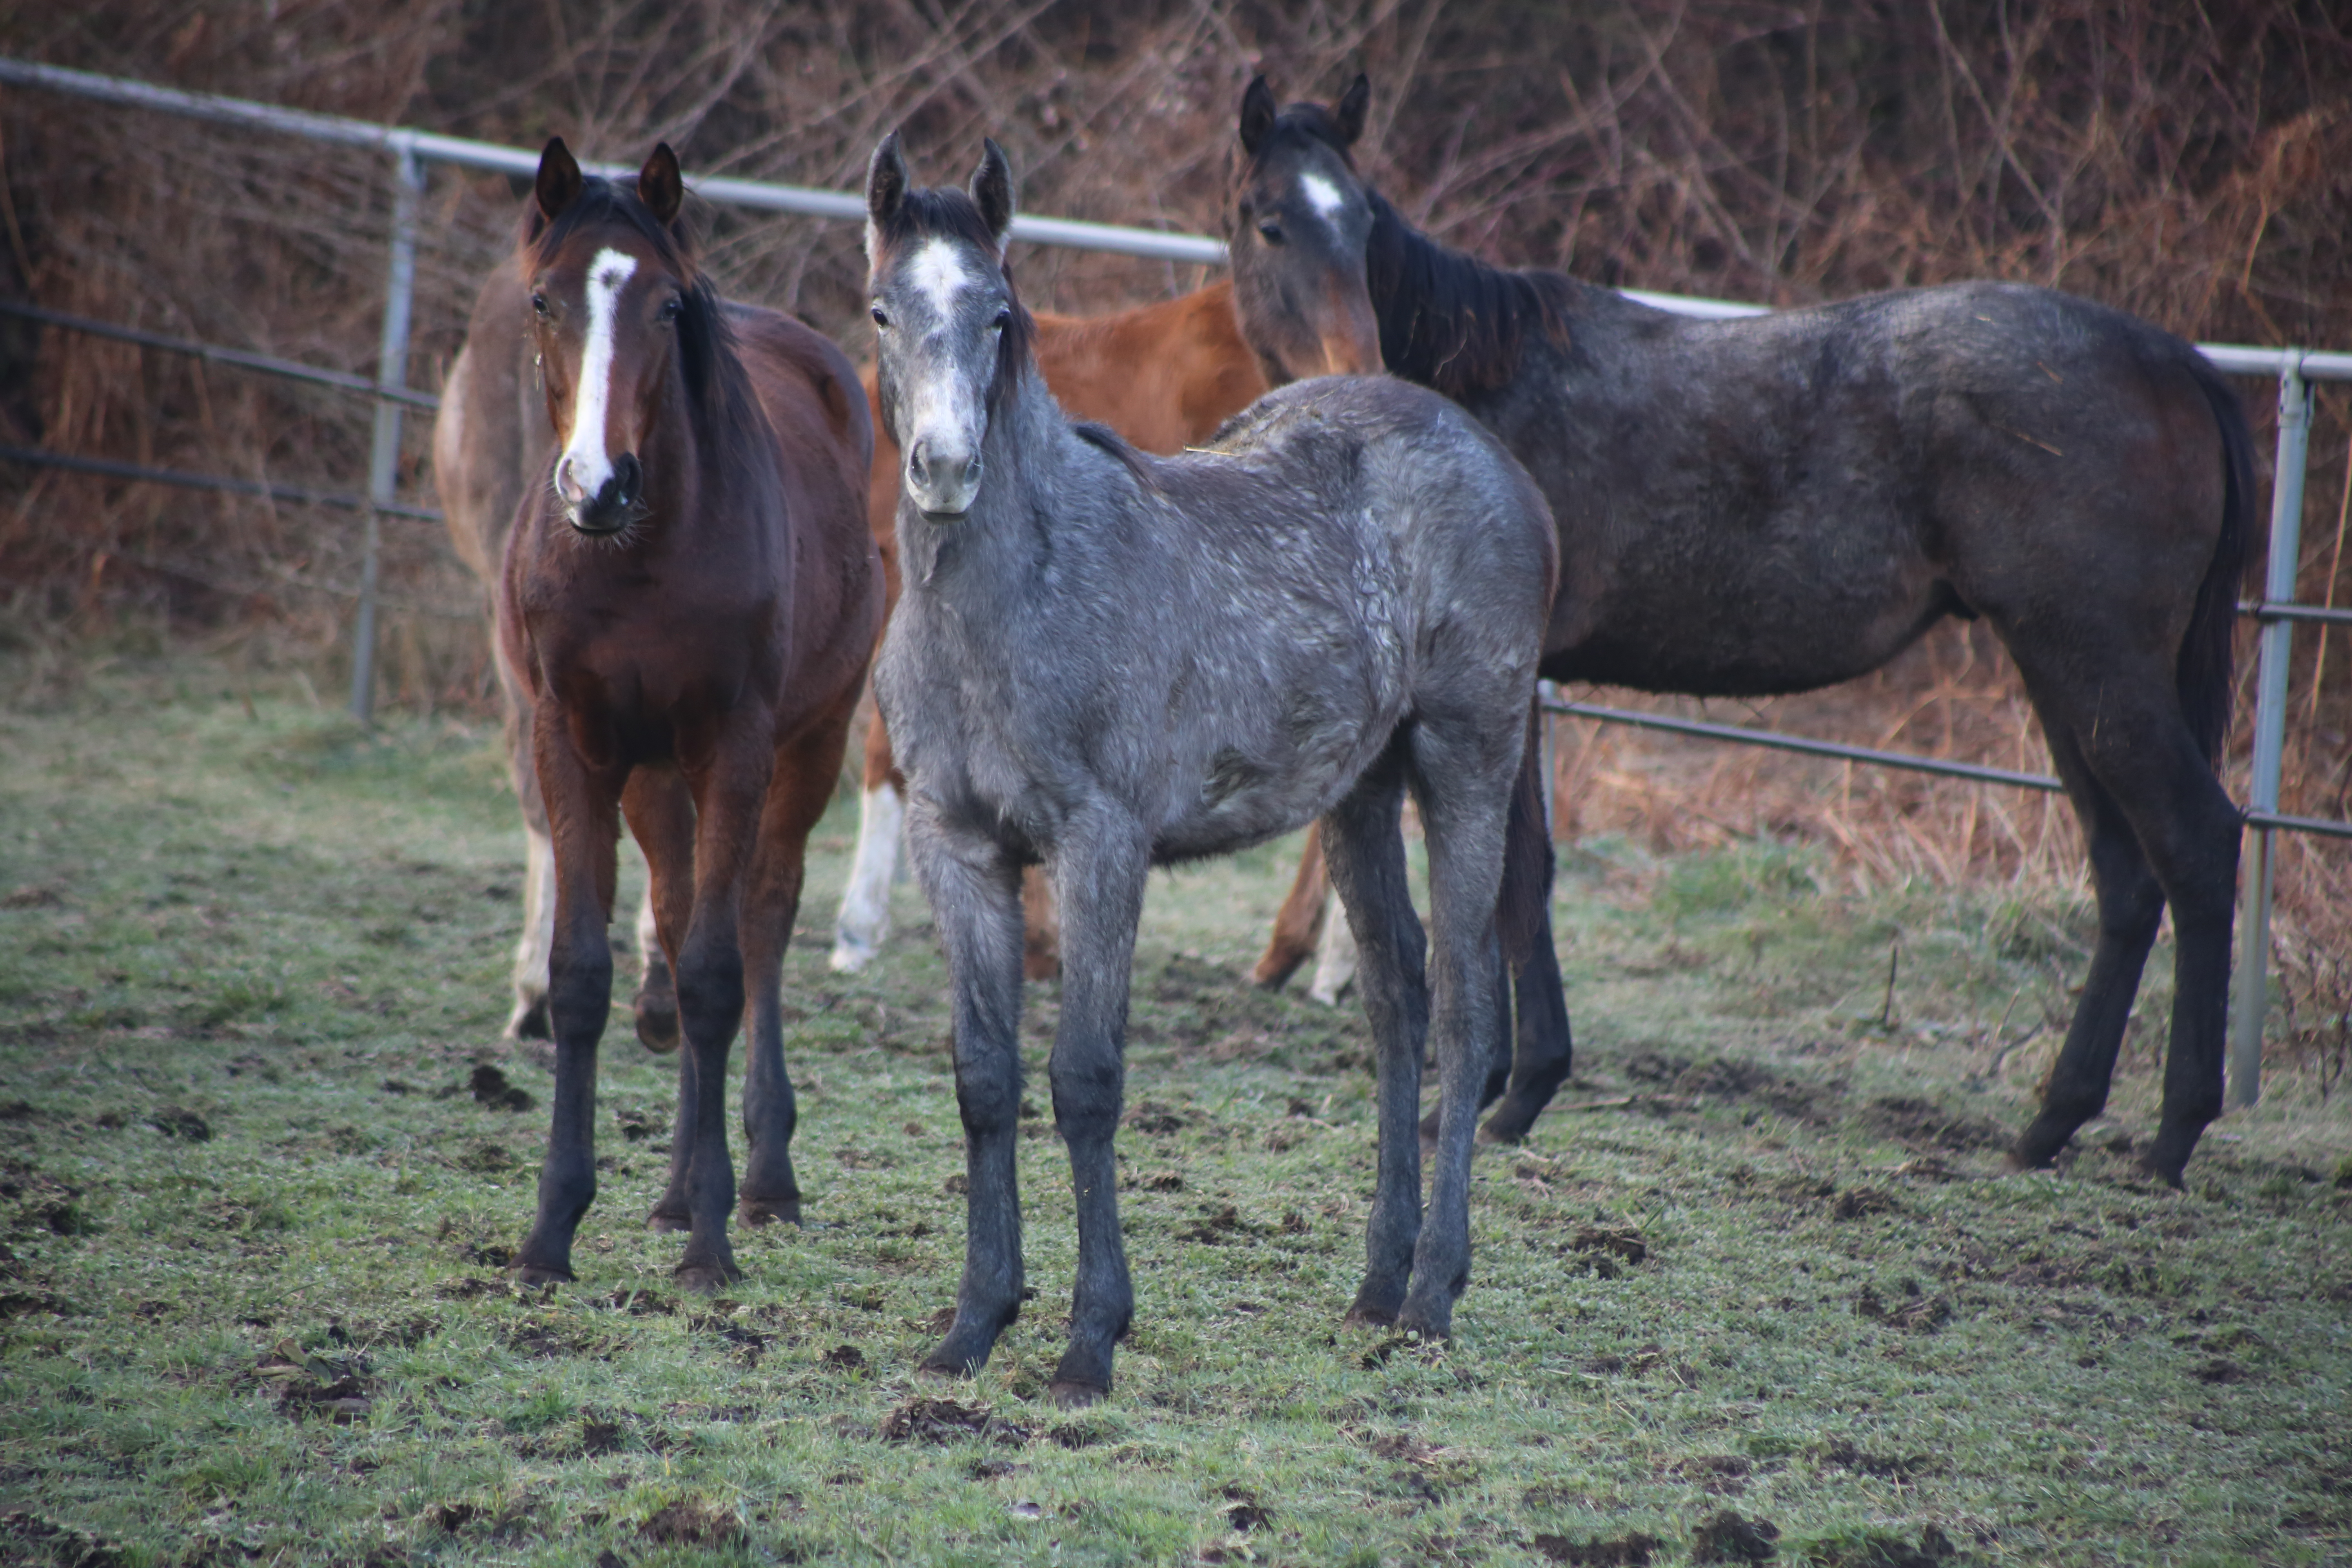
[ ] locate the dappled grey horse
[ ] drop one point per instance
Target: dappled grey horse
(1776, 503)
(1104, 660)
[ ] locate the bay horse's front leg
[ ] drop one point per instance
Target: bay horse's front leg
(974, 889)
(660, 812)
(584, 828)
(729, 790)
(1099, 871)
(797, 796)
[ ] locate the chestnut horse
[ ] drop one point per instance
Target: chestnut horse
(1163, 375)
(690, 601)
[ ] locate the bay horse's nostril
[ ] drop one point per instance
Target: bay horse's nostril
(566, 485)
(628, 479)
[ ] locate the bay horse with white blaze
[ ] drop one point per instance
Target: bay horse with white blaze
(1103, 661)
(1780, 502)
(690, 601)
(490, 443)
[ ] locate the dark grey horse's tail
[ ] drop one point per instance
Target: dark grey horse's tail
(1526, 853)
(2204, 671)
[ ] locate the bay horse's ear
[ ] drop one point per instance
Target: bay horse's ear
(559, 179)
(660, 186)
(886, 189)
(1258, 110)
(1348, 116)
(992, 191)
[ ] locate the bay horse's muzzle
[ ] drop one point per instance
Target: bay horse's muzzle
(617, 502)
(943, 485)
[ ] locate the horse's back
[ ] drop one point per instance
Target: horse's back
(1778, 503)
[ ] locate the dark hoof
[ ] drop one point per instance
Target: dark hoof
(768, 1211)
(668, 1220)
(2170, 1175)
(657, 1028)
(2017, 1161)
(541, 1274)
(705, 1279)
(1363, 1317)
(529, 1021)
(1429, 1325)
(1075, 1395)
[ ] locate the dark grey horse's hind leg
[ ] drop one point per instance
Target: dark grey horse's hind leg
(1365, 851)
(975, 895)
(1099, 880)
(2160, 830)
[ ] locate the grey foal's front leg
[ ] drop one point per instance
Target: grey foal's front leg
(1098, 876)
(975, 893)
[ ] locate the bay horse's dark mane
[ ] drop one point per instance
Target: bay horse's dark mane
(952, 213)
(1450, 320)
(708, 358)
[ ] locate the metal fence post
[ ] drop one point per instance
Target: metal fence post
(2245, 1074)
(390, 374)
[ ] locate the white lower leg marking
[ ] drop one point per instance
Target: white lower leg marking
(587, 463)
(538, 927)
(864, 919)
(1335, 955)
(648, 931)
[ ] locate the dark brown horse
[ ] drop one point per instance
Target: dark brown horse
(690, 601)
(1164, 375)
(1776, 503)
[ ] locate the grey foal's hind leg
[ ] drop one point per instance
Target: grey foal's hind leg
(1365, 850)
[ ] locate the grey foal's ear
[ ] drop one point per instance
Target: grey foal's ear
(992, 191)
(886, 189)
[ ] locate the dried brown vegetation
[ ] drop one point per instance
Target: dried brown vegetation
(2192, 163)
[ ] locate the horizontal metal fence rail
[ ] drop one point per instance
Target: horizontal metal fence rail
(298, 495)
(2294, 369)
(292, 369)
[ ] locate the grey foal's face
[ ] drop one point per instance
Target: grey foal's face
(942, 307)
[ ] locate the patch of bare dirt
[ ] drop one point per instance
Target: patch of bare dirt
(945, 1421)
(1728, 1537)
(1633, 1551)
(1924, 1125)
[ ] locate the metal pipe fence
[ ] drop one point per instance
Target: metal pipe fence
(412, 151)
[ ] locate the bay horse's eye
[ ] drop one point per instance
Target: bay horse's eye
(1271, 231)
(879, 318)
(539, 303)
(671, 309)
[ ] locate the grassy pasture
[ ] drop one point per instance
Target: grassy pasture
(1752, 1287)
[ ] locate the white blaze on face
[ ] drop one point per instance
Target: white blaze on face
(944, 417)
(586, 466)
(938, 272)
(1323, 196)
